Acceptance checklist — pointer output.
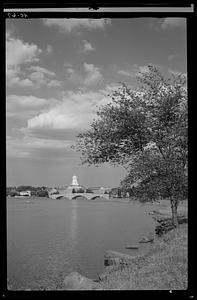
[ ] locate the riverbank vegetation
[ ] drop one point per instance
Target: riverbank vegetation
(163, 267)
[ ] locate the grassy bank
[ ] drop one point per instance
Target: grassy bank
(163, 267)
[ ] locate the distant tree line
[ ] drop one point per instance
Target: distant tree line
(35, 191)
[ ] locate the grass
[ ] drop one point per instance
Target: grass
(163, 267)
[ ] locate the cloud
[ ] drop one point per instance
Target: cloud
(49, 49)
(74, 77)
(75, 111)
(93, 75)
(170, 23)
(176, 73)
(41, 77)
(54, 83)
(25, 101)
(18, 54)
(172, 57)
(14, 80)
(42, 70)
(49, 133)
(87, 46)
(90, 77)
(54, 124)
(126, 73)
(38, 78)
(54, 119)
(142, 69)
(68, 25)
(29, 146)
(25, 107)
(133, 71)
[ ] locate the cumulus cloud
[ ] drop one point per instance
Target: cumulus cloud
(54, 83)
(14, 80)
(68, 25)
(41, 76)
(74, 77)
(49, 49)
(170, 23)
(90, 76)
(25, 107)
(54, 124)
(69, 114)
(75, 111)
(87, 46)
(18, 54)
(93, 75)
(42, 70)
(14, 101)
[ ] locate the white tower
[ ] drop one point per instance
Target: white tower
(74, 181)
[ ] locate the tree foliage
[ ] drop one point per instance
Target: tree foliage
(145, 131)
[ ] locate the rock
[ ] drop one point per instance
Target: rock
(146, 239)
(131, 247)
(116, 258)
(76, 281)
(166, 225)
(151, 213)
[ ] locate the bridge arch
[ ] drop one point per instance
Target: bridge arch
(59, 197)
(94, 197)
(77, 196)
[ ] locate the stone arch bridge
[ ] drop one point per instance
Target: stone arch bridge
(71, 196)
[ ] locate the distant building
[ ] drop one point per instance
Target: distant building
(99, 190)
(25, 193)
(74, 187)
(53, 191)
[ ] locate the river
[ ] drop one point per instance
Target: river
(47, 239)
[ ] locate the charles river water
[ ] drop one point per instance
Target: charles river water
(47, 239)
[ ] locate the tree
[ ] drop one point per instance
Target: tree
(13, 193)
(89, 191)
(42, 193)
(80, 190)
(144, 130)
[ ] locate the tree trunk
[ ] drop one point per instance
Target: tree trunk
(174, 205)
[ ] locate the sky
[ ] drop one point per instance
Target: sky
(58, 72)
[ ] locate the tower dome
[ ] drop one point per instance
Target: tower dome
(75, 187)
(74, 181)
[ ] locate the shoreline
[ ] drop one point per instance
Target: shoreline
(146, 271)
(166, 255)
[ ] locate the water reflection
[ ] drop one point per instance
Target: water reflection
(74, 221)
